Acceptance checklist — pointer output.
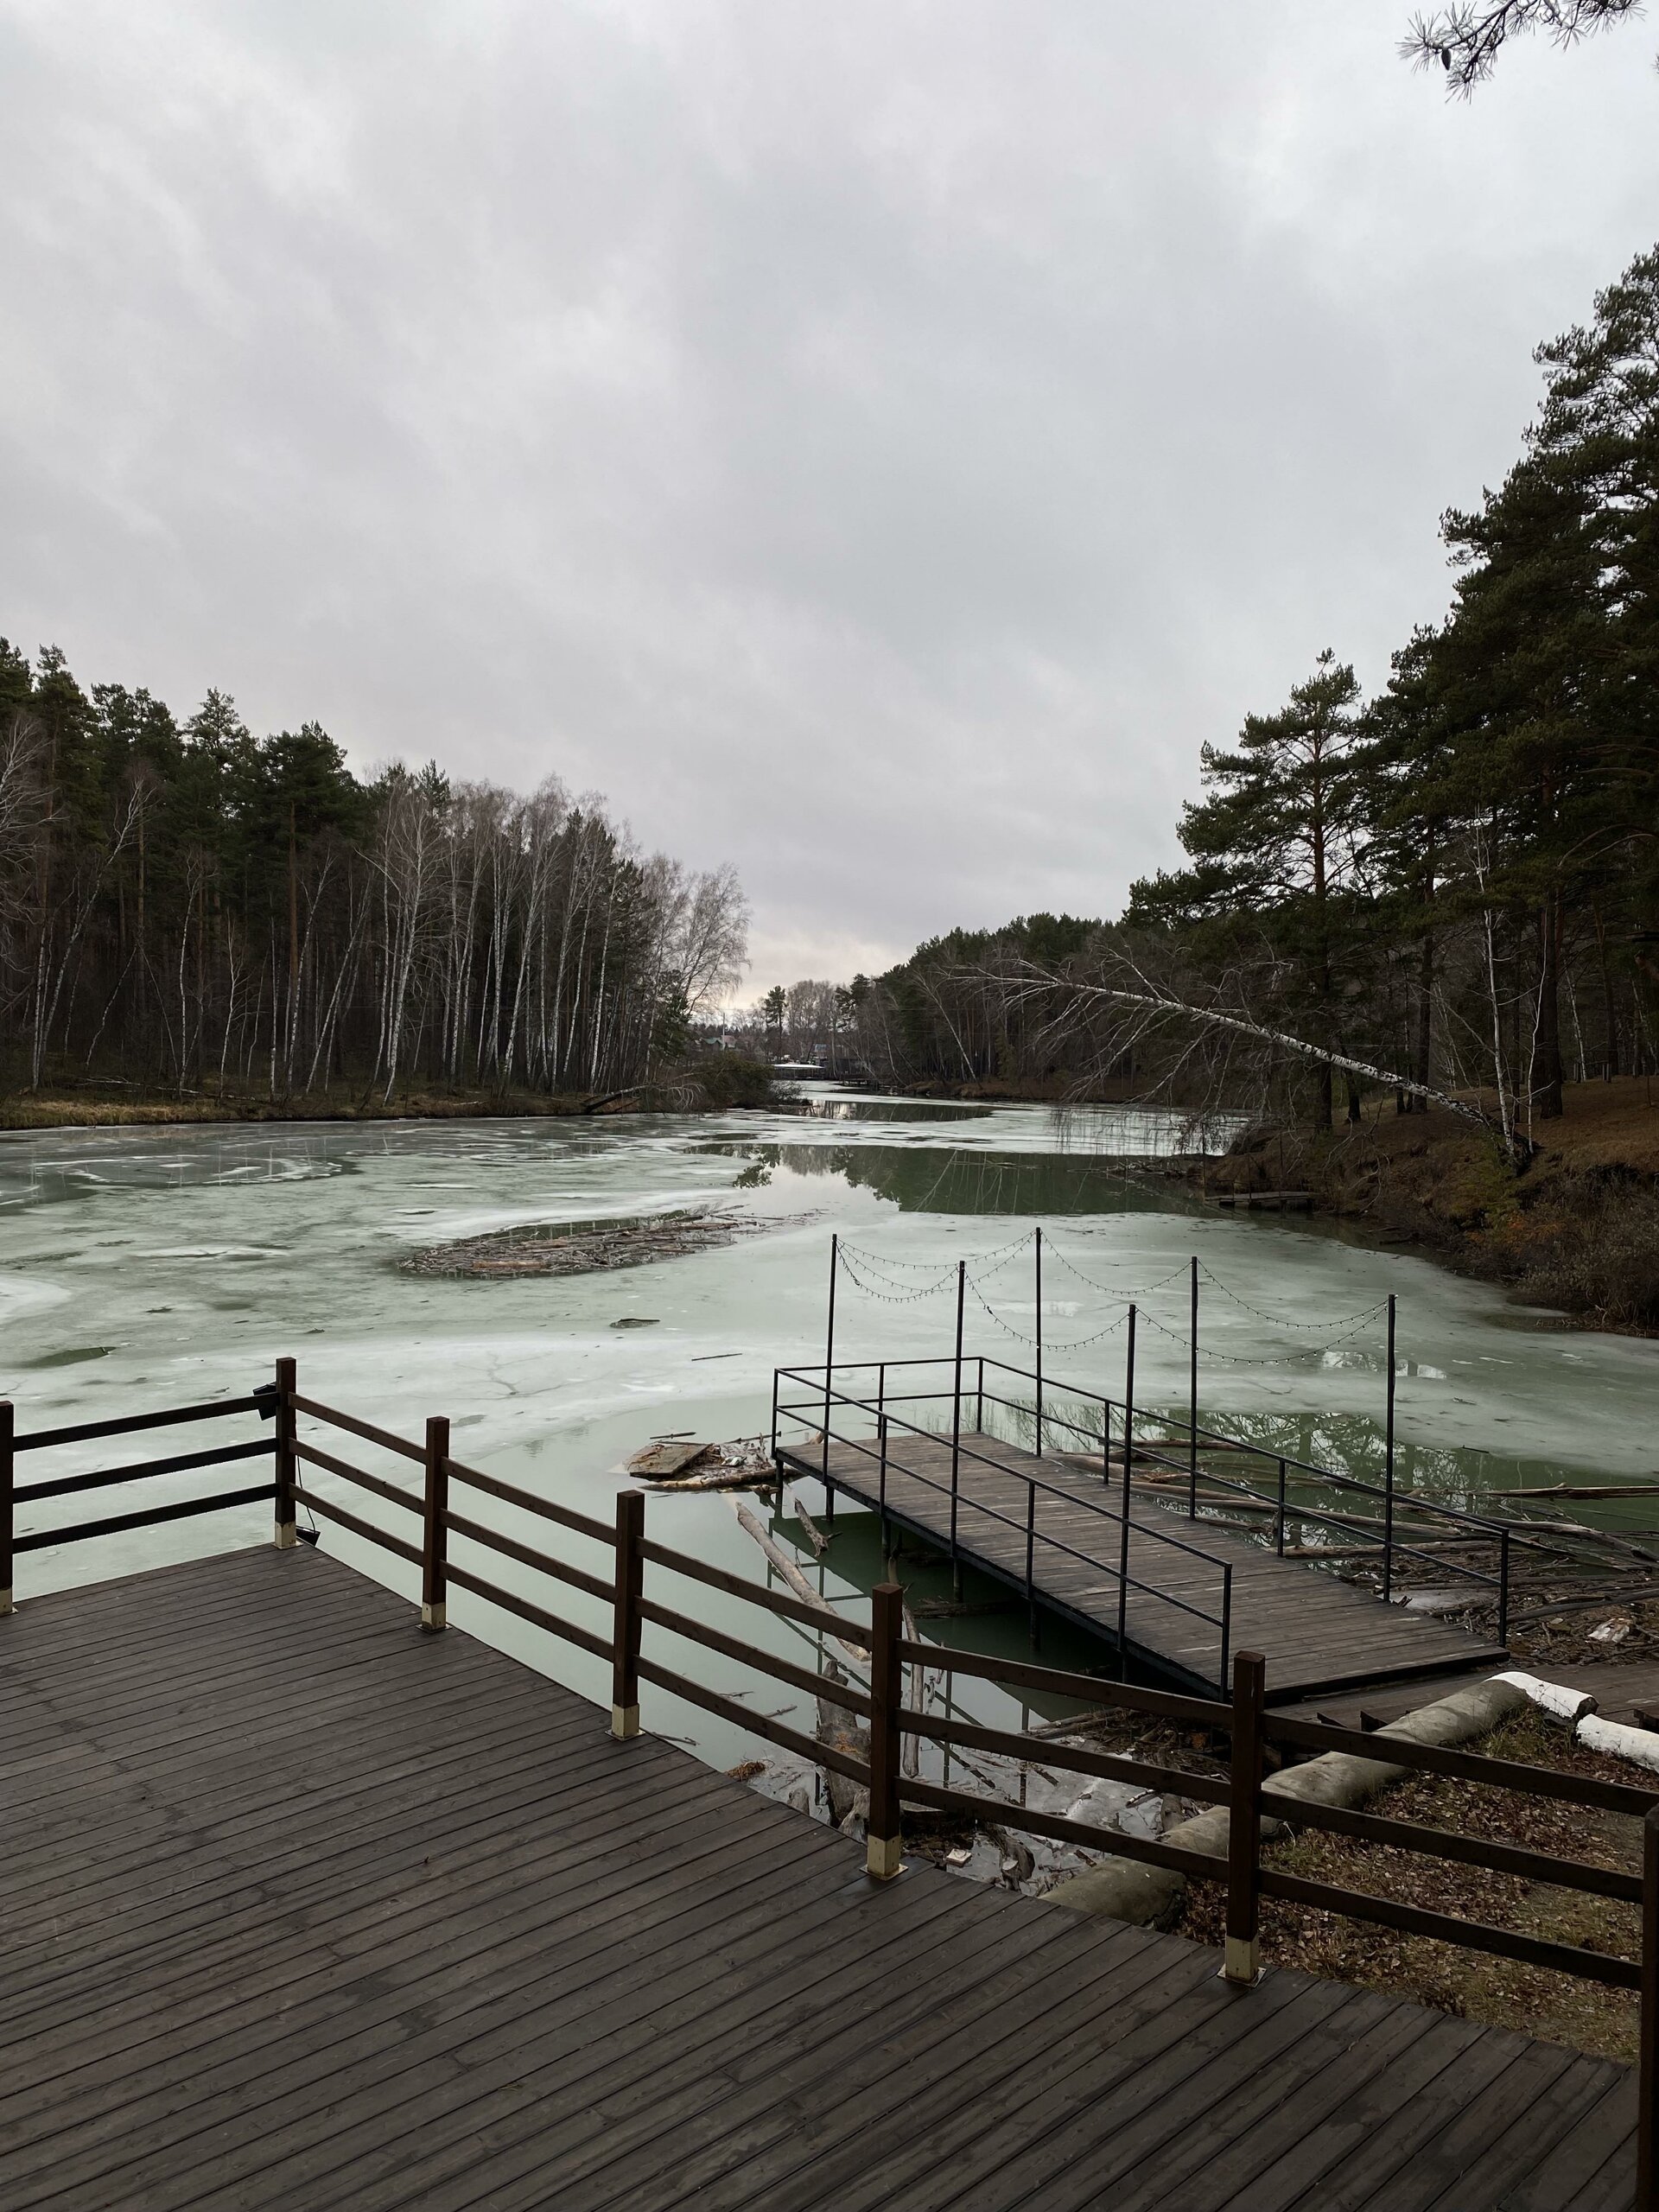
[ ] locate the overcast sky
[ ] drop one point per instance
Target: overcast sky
(874, 443)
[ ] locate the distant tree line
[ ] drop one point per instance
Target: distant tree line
(185, 904)
(1450, 890)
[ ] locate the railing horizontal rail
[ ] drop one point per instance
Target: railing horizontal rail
(315, 1456)
(997, 1467)
(1108, 1766)
(1372, 1532)
(1448, 1927)
(358, 1527)
(129, 1425)
(527, 1502)
(758, 1724)
(1056, 1543)
(365, 1429)
(1167, 1705)
(1198, 1431)
(1040, 1536)
(766, 1663)
(1464, 1850)
(1197, 1866)
(151, 1516)
(1384, 1750)
(476, 1532)
(527, 1610)
(771, 1601)
(178, 1463)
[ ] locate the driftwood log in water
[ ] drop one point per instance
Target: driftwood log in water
(798, 1584)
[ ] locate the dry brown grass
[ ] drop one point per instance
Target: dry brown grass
(1473, 1985)
(89, 1110)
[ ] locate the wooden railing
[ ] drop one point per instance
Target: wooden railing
(264, 1401)
(1243, 1720)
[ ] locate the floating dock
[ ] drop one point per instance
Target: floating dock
(1185, 1578)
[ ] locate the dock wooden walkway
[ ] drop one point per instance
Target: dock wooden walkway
(304, 1909)
(1319, 1633)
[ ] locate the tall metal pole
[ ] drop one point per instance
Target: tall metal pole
(956, 1403)
(828, 1364)
(1123, 1544)
(1388, 1448)
(1039, 1265)
(1192, 1398)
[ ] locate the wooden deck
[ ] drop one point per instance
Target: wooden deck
(1319, 1633)
(305, 1909)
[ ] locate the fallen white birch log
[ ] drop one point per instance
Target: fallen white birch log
(1620, 1741)
(1553, 1697)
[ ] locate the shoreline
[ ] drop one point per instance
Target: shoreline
(687, 1095)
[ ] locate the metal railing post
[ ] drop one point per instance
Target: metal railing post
(625, 1633)
(881, 1436)
(1039, 1341)
(956, 1403)
(1226, 1619)
(1193, 1401)
(1647, 2089)
(286, 1466)
(1031, 1550)
(979, 1400)
(8, 1499)
(1387, 1448)
(829, 1355)
(435, 1586)
(883, 1832)
(1504, 1585)
(1278, 1517)
(1125, 1499)
(1242, 1957)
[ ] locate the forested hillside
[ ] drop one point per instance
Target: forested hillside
(1449, 891)
(183, 904)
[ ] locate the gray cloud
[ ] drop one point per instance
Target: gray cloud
(875, 445)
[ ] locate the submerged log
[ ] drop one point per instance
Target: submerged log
(798, 1584)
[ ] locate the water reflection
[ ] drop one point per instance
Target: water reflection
(890, 1109)
(931, 1180)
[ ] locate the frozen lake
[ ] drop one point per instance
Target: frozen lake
(143, 1268)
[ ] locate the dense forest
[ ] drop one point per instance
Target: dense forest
(1449, 892)
(185, 904)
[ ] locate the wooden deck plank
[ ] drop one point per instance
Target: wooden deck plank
(448, 1947)
(1319, 1633)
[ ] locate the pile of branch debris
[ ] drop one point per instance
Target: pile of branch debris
(583, 1247)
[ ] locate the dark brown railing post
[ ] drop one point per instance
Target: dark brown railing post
(1241, 1958)
(1647, 2090)
(884, 1839)
(287, 1467)
(624, 1636)
(8, 1500)
(435, 1587)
